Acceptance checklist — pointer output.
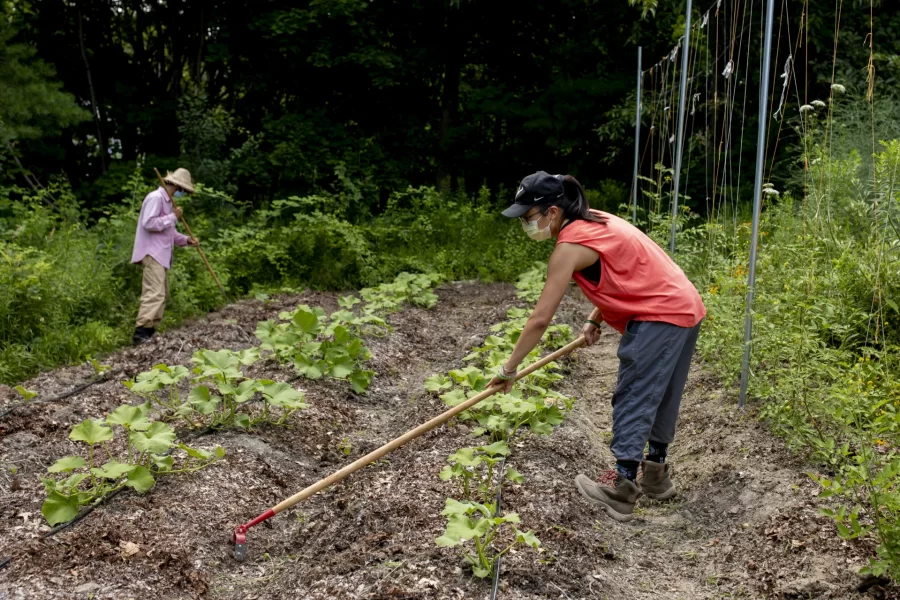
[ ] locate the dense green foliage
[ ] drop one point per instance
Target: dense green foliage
(275, 99)
(826, 337)
(68, 289)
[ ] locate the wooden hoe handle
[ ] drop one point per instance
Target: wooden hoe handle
(239, 537)
(188, 228)
(418, 431)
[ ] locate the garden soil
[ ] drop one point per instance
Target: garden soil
(746, 523)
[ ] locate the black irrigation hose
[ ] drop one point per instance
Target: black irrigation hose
(5, 561)
(78, 388)
(82, 514)
(497, 514)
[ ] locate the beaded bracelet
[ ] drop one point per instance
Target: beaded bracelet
(501, 374)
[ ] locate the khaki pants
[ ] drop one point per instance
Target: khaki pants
(154, 292)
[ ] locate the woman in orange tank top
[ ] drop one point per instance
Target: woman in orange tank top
(641, 293)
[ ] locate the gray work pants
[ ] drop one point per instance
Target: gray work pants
(654, 360)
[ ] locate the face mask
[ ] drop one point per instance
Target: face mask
(532, 231)
(179, 194)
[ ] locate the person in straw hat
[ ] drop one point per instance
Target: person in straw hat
(153, 241)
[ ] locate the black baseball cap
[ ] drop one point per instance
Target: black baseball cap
(536, 189)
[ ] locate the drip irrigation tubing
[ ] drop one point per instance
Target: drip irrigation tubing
(77, 389)
(102, 501)
(500, 474)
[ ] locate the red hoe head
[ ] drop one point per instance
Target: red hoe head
(240, 535)
(240, 543)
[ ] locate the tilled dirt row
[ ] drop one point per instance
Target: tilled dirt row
(745, 525)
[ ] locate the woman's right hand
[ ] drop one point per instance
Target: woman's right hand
(591, 334)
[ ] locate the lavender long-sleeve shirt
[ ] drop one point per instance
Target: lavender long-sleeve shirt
(156, 232)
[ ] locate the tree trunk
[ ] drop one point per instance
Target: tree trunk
(454, 47)
(95, 108)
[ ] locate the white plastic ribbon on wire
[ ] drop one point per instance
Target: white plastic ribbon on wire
(729, 69)
(674, 53)
(784, 87)
(694, 100)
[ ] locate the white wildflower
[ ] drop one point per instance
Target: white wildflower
(838, 88)
(818, 104)
(806, 108)
(770, 191)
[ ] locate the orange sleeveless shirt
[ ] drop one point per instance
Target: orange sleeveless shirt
(638, 280)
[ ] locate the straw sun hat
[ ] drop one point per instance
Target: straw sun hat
(181, 178)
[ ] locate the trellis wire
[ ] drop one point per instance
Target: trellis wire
(679, 134)
(637, 141)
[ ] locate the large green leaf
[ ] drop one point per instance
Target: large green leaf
(248, 356)
(465, 457)
(514, 475)
(313, 369)
(436, 383)
(197, 453)
(360, 380)
(341, 335)
(527, 538)
(162, 463)
(539, 426)
(156, 440)
(454, 397)
(148, 381)
(245, 390)
(112, 470)
(282, 394)
(130, 417)
(455, 507)
(91, 432)
(141, 479)
(59, 509)
(204, 402)
(342, 368)
(307, 321)
(66, 464)
(496, 449)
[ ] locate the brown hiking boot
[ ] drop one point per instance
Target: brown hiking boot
(655, 481)
(611, 492)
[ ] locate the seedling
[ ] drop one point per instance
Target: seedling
(26, 394)
(98, 368)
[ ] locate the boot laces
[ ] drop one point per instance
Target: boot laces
(608, 478)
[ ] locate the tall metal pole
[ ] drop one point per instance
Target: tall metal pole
(637, 141)
(757, 193)
(679, 135)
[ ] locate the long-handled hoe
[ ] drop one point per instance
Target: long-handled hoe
(240, 534)
(162, 182)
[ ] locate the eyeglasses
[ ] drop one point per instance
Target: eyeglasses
(525, 220)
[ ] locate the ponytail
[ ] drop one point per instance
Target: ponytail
(574, 203)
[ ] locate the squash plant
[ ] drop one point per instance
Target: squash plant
(476, 523)
(220, 393)
(474, 469)
(414, 288)
(316, 349)
(145, 455)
